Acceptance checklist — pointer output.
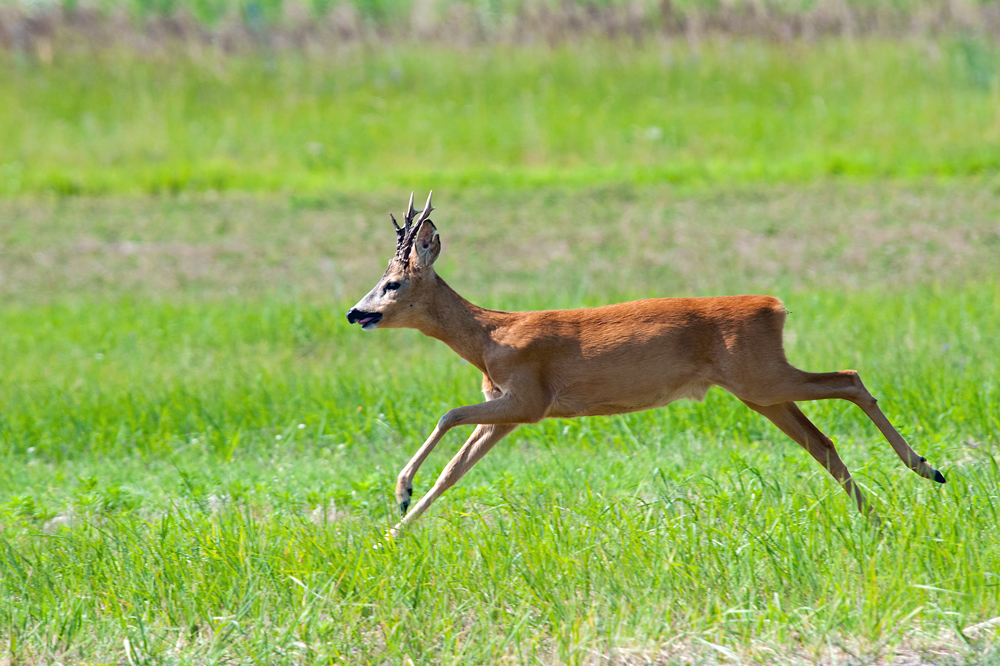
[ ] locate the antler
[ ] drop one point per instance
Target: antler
(406, 233)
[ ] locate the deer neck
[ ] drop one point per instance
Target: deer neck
(461, 325)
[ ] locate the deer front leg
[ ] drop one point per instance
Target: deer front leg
(483, 438)
(404, 482)
(496, 419)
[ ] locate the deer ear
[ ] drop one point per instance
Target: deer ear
(426, 245)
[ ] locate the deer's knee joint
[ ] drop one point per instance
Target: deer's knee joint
(866, 399)
(448, 421)
(862, 397)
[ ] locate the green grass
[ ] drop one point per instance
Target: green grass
(586, 114)
(195, 534)
(150, 514)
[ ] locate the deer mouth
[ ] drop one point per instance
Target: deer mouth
(369, 321)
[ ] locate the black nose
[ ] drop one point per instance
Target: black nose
(353, 315)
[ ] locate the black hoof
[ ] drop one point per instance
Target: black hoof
(939, 477)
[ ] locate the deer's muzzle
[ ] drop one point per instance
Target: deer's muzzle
(368, 320)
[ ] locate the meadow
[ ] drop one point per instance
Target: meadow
(592, 113)
(197, 453)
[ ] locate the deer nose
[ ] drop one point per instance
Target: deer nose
(353, 315)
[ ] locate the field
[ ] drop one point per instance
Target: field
(590, 114)
(197, 453)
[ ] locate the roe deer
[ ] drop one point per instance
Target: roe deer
(606, 360)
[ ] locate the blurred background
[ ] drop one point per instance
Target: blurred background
(197, 452)
(152, 147)
(169, 97)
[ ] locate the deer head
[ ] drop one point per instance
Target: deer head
(409, 281)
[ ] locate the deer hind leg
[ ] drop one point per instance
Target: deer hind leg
(791, 421)
(483, 438)
(794, 385)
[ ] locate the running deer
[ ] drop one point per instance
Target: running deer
(606, 360)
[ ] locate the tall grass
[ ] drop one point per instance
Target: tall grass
(195, 478)
(213, 492)
(583, 114)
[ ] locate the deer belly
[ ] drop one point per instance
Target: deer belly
(633, 399)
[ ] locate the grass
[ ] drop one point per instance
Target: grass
(197, 454)
(328, 248)
(581, 115)
(194, 475)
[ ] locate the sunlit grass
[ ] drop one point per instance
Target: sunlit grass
(196, 478)
(147, 496)
(593, 112)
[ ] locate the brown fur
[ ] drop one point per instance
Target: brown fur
(610, 360)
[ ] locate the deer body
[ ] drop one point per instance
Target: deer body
(612, 359)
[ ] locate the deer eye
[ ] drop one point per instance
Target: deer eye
(391, 286)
